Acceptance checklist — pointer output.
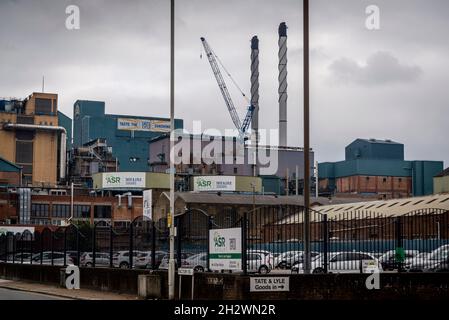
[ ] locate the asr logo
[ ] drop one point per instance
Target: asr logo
(219, 241)
(201, 183)
(112, 180)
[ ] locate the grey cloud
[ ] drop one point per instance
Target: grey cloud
(381, 68)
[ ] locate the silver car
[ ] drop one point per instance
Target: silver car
(343, 262)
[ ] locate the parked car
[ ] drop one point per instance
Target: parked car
(390, 262)
(267, 254)
(101, 259)
(258, 262)
(164, 262)
(120, 259)
(48, 256)
(74, 255)
(197, 262)
(286, 259)
(429, 263)
(342, 262)
(143, 259)
(17, 258)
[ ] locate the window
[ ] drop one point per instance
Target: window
(235, 170)
(385, 180)
(43, 106)
(102, 212)
(61, 211)
(40, 210)
(81, 211)
(24, 152)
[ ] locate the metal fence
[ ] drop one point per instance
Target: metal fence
(271, 241)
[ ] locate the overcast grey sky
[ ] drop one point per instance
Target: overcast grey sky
(387, 84)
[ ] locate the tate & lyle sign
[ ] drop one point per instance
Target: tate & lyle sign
(124, 180)
(214, 183)
(225, 249)
(143, 125)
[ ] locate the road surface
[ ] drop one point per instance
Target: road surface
(8, 294)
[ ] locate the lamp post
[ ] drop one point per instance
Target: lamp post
(171, 214)
(306, 140)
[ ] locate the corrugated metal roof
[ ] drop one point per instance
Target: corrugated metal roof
(384, 208)
(247, 199)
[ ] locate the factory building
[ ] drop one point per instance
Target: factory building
(227, 156)
(33, 138)
(127, 136)
(377, 167)
(441, 182)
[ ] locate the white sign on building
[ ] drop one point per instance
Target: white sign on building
(225, 249)
(143, 125)
(123, 180)
(148, 203)
(214, 183)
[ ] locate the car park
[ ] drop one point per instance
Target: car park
(342, 262)
(48, 258)
(101, 259)
(390, 261)
(197, 262)
(143, 259)
(165, 260)
(257, 262)
(267, 254)
(120, 259)
(429, 263)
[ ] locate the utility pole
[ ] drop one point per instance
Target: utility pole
(171, 214)
(306, 220)
(71, 200)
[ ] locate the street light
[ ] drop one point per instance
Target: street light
(171, 215)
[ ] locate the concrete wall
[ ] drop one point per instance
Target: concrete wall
(217, 286)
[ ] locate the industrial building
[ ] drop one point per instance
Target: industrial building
(233, 158)
(128, 136)
(377, 167)
(441, 182)
(91, 158)
(34, 135)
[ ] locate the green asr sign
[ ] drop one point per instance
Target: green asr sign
(113, 180)
(204, 183)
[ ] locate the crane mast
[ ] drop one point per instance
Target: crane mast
(225, 93)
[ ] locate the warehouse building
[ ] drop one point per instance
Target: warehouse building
(377, 167)
(441, 182)
(128, 136)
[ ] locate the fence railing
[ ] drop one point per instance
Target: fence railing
(271, 241)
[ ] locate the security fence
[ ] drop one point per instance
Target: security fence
(272, 241)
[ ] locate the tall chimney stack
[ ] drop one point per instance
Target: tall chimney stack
(255, 96)
(282, 84)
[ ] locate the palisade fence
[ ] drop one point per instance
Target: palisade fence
(275, 229)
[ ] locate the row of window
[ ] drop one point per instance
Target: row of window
(63, 211)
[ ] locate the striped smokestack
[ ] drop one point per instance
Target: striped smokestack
(255, 82)
(255, 98)
(282, 84)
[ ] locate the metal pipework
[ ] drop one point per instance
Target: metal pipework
(282, 84)
(255, 97)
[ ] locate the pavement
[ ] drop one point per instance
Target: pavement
(21, 290)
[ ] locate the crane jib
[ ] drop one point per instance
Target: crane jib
(241, 127)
